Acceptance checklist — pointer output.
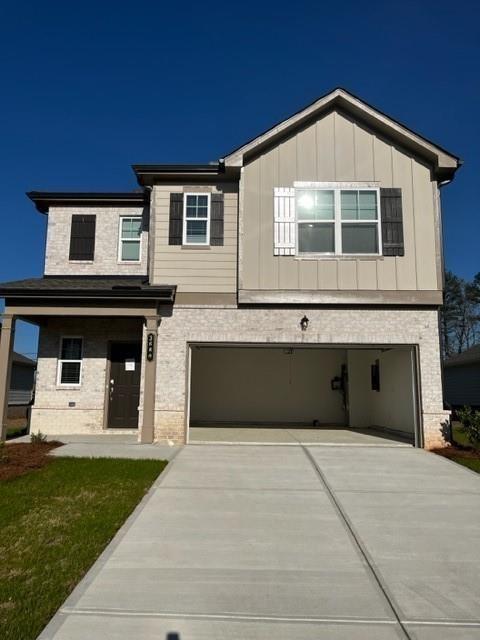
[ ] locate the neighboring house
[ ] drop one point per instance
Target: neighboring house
(461, 379)
(22, 379)
(297, 280)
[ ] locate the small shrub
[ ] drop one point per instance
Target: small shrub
(38, 438)
(470, 421)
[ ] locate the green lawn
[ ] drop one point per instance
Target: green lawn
(471, 463)
(54, 522)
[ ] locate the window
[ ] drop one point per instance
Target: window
(130, 239)
(70, 361)
(338, 221)
(196, 212)
(82, 238)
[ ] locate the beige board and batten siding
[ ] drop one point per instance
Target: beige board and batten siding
(335, 148)
(206, 269)
(107, 229)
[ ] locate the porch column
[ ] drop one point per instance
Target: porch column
(150, 346)
(6, 349)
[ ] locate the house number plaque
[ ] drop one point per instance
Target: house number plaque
(150, 346)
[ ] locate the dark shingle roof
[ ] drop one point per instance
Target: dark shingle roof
(470, 356)
(92, 286)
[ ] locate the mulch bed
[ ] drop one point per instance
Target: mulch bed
(16, 459)
(458, 452)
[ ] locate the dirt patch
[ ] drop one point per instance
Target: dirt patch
(458, 452)
(16, 459)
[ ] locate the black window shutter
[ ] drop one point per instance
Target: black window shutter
(175, 227)
(216, 220)
(82, 237)
(392, 222)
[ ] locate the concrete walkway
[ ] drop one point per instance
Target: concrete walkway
(303, 543)
(108, 446)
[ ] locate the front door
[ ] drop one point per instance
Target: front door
(124, 385)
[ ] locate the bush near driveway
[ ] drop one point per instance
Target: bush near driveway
(54, 522)
(462, 451)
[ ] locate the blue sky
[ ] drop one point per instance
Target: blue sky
(89, 88)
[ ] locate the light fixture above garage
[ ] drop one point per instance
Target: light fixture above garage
(304, 323)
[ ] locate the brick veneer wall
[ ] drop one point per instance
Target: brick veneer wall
(51, 413)
(269, 325)
(106, 242)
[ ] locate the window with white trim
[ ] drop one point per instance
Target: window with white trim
(338, 221)
(70, 361)
(196, 218)
(130, 238)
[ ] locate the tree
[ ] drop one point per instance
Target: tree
(460, 316)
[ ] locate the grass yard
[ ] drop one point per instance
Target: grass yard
(54, 522)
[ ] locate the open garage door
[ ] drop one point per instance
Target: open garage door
(312, 392)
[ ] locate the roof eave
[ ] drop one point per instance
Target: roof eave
(43, 200)
(149, 174)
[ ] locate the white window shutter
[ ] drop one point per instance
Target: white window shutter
(284, 221)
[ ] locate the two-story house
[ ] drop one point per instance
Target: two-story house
(297, 282)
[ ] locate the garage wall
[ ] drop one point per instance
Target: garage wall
(265, 385)
(393, 406)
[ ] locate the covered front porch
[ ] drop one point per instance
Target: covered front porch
(96, 357)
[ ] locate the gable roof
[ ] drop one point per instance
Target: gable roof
(443, 161)
(470, 356)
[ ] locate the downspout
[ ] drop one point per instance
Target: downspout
(148, 190)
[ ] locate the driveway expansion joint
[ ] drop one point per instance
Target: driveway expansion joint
(395, 609)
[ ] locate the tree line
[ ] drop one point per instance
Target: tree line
(460, 316)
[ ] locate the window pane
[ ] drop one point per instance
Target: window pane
(131, 227)
(71, 349)
(197, 206)
(367, 205)
(202, 212)
(314, 204)
(131, 250)
(316, 238)
(70, 373)
(359, 238)
(349, 204)
(196, 231)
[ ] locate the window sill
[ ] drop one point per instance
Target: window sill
(203, 247)
(132, 262)
(68, 387)
(348, 256)
(81, 261)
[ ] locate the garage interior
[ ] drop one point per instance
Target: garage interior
(307, 394)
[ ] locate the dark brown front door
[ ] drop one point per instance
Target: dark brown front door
(124, 385)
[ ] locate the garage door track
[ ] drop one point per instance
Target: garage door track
(290, 542)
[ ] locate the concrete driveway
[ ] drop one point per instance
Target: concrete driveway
(308, 543)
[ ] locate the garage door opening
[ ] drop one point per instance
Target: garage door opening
(303, 393)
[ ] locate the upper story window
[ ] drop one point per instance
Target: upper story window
(338, 221)
(130, 236)
(70, 361)
(82, 238)
(196, 222)
(343, 219)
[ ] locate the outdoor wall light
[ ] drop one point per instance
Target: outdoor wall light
(304, 323)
